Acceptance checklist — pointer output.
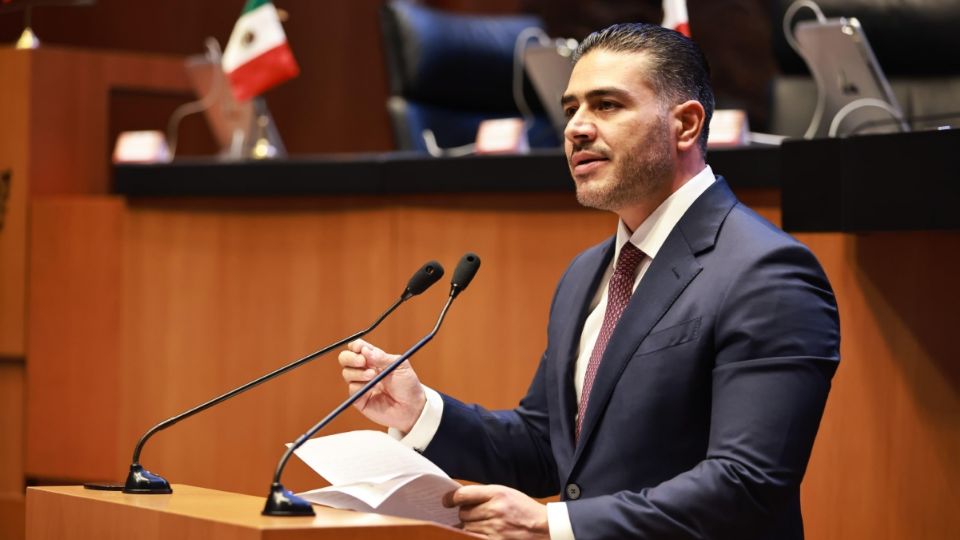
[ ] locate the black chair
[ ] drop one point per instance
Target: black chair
(449, 72)
(915, 42)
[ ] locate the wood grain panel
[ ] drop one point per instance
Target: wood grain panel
(14, 110)
(74, 321)
(11, 428)
(885, 462)
(213, 295)
(881, 467)
(69, 146)
(12, 510)
(54, 105)
(214, 299)
(11, 450)
(72, 513)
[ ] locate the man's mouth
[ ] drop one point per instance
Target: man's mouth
(585, 161)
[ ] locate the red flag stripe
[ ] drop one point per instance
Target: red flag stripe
(263, 72)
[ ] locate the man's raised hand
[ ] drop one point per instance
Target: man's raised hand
(399, 398)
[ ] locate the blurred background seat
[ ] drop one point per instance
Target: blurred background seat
(448, 72)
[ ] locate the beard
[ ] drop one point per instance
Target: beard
(637, 173)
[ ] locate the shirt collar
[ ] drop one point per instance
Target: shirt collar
(652, 233)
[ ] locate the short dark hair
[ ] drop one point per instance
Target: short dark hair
(679, 70)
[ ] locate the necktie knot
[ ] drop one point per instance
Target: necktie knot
(628, 261)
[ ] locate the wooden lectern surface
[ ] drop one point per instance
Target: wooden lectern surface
(72, 512)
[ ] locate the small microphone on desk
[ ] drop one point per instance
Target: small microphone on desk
(280, 501)
(142, 481)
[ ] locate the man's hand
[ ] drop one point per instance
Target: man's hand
(499, 512)
(399, 398)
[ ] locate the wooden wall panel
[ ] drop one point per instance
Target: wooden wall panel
(212, 295)
(11, 428)
(11, 450)
(14, 110)
(881, 466)
(12, 509)
(214, 299)
(885, 463)
(74, 322)
(210, 298)
(54, 105)
(69, 147)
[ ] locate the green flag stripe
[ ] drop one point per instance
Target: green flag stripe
(254, 4)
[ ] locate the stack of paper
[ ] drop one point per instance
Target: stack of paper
(373, 472)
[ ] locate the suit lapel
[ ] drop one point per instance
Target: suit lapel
(668, 275)
(578, 303)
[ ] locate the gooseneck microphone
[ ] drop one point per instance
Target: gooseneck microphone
(142, 481)
(280, 501)
(464, 272)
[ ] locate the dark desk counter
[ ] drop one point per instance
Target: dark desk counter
(396, 173)
(897, 182)
(869, 183)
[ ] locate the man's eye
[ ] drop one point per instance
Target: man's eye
(606, 106)
(569, 112)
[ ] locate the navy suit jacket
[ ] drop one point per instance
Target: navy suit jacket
(706, 402)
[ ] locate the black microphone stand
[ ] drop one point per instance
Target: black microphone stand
(282, 502)
(142, 481)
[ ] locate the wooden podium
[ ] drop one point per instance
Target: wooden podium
(72, 512)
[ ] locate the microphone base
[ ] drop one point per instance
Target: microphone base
(142, 482)
(103, 486)
(281, 502)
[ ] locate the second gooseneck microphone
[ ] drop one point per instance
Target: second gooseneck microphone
(280, 501)
(140, 480)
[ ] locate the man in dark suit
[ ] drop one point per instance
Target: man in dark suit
(688, 357)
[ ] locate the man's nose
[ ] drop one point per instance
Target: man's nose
(580, 128)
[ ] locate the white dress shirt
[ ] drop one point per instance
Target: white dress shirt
(649, 238)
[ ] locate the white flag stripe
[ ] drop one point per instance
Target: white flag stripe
(674, 13)
(264, 23)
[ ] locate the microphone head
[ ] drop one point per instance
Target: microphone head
(422, 279)
(463, 275)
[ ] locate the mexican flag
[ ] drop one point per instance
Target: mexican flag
(675, 16)
(257, 57)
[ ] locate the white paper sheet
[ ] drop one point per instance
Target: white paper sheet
(371, 471)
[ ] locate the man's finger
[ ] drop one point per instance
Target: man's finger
(475, 512)
(352, 375)
(356, 345)
(376, 357)
(355, 387)
(351, 359)
(470, 495)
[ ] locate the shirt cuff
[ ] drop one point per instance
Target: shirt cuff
(558, 520)
(426, 426)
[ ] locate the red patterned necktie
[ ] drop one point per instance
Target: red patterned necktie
(618, 295)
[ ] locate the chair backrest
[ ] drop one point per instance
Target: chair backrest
(448, 72)
(915, 42)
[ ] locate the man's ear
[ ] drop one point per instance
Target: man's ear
(688, 118)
